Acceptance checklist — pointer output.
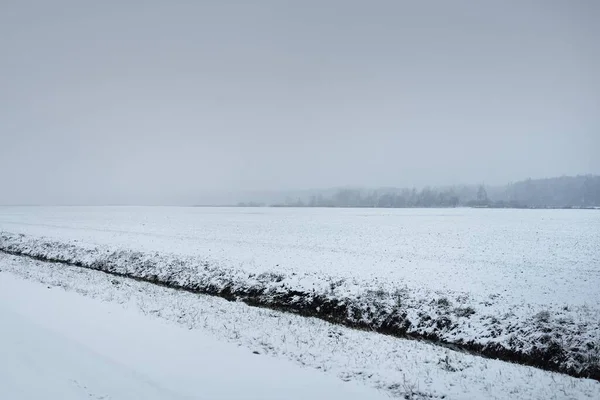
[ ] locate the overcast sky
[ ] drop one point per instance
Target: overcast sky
(167, 101)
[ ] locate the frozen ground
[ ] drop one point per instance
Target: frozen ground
(59, 345)
(518, 284)
(72, 332)
(532, 256)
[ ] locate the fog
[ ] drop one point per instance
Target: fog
(173, 102)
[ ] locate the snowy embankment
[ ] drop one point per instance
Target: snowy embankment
(153, 359)
(555, 336)
(60, 345)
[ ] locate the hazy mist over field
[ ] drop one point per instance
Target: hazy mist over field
(163, 102)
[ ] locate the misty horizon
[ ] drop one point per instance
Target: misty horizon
(112, 103)
(274, 197)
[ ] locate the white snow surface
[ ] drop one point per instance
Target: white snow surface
(531, 256)
(530, 277)
(59, 345)
(72, 333)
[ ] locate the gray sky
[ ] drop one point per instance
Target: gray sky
(165, 101)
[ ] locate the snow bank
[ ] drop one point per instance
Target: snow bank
(558, 338)
(61, 345)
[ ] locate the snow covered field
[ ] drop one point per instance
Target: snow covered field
(72, 333)
(518, 284)
(536, 256)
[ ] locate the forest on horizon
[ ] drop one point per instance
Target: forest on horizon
(582, 191)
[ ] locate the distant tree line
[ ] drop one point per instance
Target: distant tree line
(566, 191)
(427, 197)
(562, 192)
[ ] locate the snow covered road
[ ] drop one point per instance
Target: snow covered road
(60, 345)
